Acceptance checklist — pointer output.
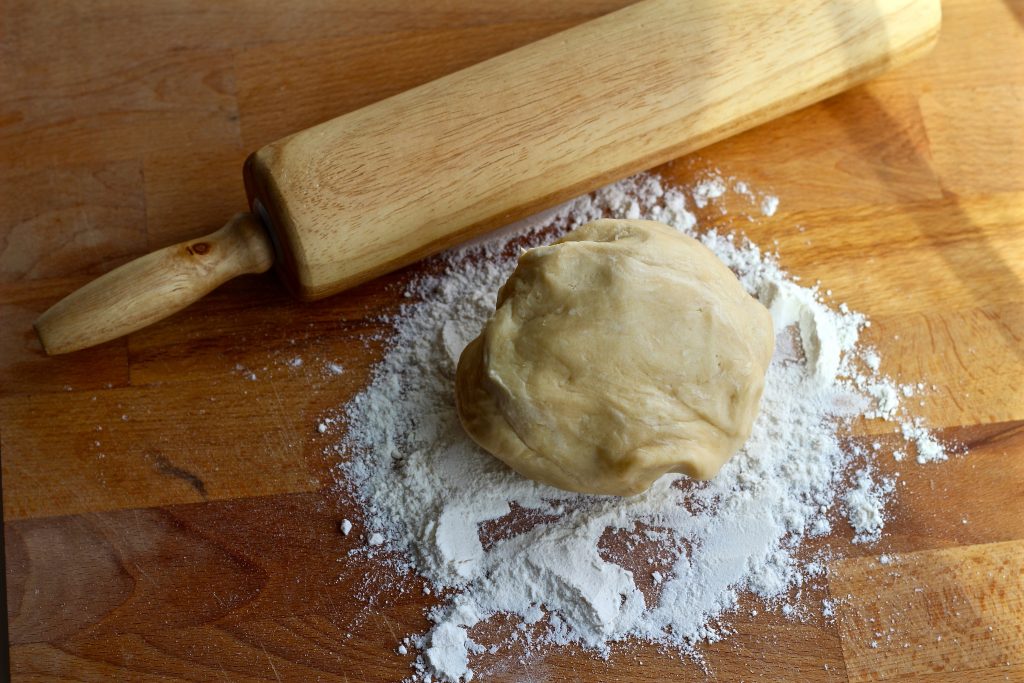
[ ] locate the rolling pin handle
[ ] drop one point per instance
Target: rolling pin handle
(154, 286)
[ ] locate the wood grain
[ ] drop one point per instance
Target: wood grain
(100, 211)
(101, 110)
(272, 76)
(529, 129)
(865, 147)
(952, 611)
(123, 128)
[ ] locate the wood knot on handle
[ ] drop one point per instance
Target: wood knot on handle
(198, 249)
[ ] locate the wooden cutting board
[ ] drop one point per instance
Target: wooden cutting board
(169, 518)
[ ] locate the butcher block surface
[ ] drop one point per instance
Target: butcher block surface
(168, 517)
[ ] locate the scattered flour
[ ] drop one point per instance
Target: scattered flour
(492, 542)
(865, 505)
(769, 205)
(710, 188)
(929, 449)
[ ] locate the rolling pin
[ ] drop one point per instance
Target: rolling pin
(378, 188)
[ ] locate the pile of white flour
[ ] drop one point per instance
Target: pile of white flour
(666, 566)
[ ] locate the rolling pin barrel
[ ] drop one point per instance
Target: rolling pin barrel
(386, 185)
(381, 187)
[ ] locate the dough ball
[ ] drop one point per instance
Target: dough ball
(621, 352)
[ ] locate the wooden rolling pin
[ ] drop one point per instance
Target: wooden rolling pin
(381, 187)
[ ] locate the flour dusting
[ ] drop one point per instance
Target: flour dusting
(667, 566)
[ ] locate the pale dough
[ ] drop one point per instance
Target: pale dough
(624, 351)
